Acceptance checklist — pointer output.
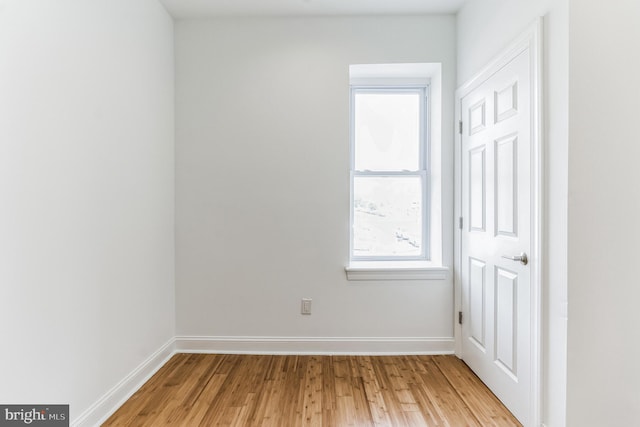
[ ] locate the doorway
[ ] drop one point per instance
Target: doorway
(498, 241)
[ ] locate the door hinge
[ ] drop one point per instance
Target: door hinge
(460, 127)
(460, 317)
(460, 222)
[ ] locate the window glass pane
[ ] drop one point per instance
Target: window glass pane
(387, 131)
(387, 216)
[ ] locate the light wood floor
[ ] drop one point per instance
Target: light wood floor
(244, 390)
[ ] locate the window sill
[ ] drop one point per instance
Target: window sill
(396, 270)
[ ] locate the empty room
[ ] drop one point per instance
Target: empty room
(319, 212)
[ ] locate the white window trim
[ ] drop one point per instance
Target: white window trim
(399, 86)
(430, 74)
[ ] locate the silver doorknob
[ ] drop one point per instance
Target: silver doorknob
(522, 258)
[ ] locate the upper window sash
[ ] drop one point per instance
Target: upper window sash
(422, 92)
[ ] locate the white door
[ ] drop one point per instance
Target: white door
(496, 210)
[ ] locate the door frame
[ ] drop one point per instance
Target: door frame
(531, 40)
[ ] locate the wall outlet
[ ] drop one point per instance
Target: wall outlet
(306, 306)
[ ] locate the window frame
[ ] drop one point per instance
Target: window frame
(422, 172)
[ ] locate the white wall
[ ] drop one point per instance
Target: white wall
(484, 28)
(262, 173)
(604, 207)
(86, 195)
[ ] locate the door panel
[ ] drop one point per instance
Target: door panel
(477, 117)
(506, 164)
(477, 194)
(477, 315)
(506, 319)
(506, 101)
(496, 202)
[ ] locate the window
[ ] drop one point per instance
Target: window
(389, 175)
(401, 185)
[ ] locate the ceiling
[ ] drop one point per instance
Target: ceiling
(210, 8)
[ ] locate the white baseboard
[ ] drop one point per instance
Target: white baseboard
(315, 345)
(98, 413)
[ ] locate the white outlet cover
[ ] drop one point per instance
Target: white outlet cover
(306, 306)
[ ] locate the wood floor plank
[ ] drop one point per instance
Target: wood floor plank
(312, 399)
(199, 409)
(425, 394)
(329, 401)
(475, 395)
(384, 370)
(377, 405)
(137, 402)
(202, 390)
(445, 397)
